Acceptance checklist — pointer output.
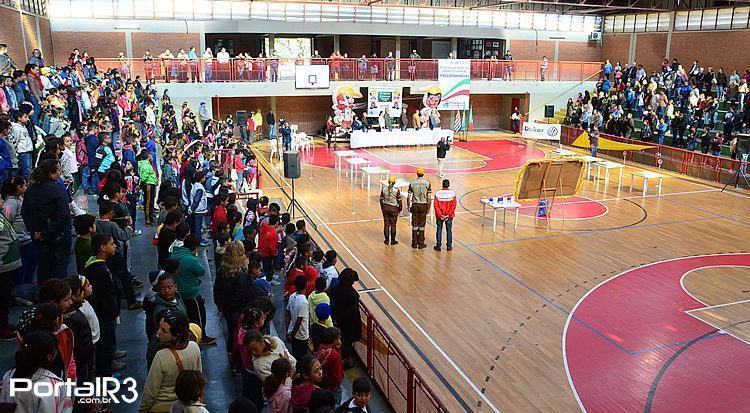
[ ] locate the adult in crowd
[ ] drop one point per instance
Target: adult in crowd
(345, 311)
(46, 214)
(180, 353)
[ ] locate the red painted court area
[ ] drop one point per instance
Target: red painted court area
(577, 207)
(629, 345)
(499, 155)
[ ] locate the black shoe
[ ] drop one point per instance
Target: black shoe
(421, 246)
(449, 248)
(386, 242)
(436, 248)
(119, 354)
(394, 242)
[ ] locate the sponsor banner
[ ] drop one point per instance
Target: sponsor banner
(311, 77)
(454, 80)
(545, 131)
(384, 98)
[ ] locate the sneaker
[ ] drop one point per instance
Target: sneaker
(7, 335)
(119, 354)
(118, 365)
(449, 249)
(136, 305)
(137, 232)
(207, 341)
(136, 283)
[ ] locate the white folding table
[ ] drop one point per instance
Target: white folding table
(339, 155)
(646, 175)
(505, 206)
(563, 152)
(373, 170)
(608, 165)
(354, 164)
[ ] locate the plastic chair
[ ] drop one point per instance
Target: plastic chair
(304, 141)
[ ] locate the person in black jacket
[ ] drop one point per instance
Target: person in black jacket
(46, 214)
(233, 288)
(79, 325)
(443, 146)
(105, 301)
(345, 311)
(168, 234)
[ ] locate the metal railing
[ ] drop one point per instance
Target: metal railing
(695, 164)
(349, 69)
(403, 388)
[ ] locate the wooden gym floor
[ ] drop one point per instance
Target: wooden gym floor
(632, 303)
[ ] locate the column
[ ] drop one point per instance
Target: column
(271, 39)
(669, 35)
(336, 42)
(202, 39)
(632, 47)
(398, 57)
(454, 46)
(129, 44)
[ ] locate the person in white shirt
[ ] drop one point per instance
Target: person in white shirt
(543, 68)
(329, 268)
(150, 115)
(298, 319)
(34, 360)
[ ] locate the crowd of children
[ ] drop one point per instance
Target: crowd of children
(186, 180)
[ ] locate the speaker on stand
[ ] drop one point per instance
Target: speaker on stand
(292, 170)
(549, 111)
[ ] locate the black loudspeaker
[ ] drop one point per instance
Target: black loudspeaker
(292, 167)
(743, 143)
(549, 111)
(241, 116)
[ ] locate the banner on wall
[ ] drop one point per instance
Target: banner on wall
(454, 77)
(542, 131)
(384, 98)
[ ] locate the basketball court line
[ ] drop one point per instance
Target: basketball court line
(475, 211)
(442, 352)
(721, 330)
(719, 305)
(583, 298)
(682, 280)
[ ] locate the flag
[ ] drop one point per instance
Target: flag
(457, 123)
(471, 118)
(463, 121)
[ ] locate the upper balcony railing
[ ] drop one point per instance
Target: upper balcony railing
(371, 69)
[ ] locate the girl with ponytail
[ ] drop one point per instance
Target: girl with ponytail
(275, 388)
(34, 360)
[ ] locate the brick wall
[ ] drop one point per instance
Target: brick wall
(309, 112)
(99, 45)
(616, 47)
(158, 42)
(716, 49)
(12, 35)
(29, 33)
(356, 46)
(650, 49)
(579, 52)
(531, 50)
(46, 41)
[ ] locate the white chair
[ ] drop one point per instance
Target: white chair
(274, 149)
(304, 141)
(294, 129)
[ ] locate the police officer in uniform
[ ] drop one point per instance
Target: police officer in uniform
(419, 190)
(390, 204)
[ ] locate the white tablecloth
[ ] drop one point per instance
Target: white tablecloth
(395, 137)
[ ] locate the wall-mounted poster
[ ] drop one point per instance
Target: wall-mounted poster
(384, 98)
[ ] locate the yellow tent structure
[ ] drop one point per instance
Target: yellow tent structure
(609, 145)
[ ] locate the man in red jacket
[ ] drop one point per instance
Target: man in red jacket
(445, 210)
(268, 242)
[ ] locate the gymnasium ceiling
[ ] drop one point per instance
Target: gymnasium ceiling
(596, 7)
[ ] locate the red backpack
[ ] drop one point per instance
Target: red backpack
(81, 156)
